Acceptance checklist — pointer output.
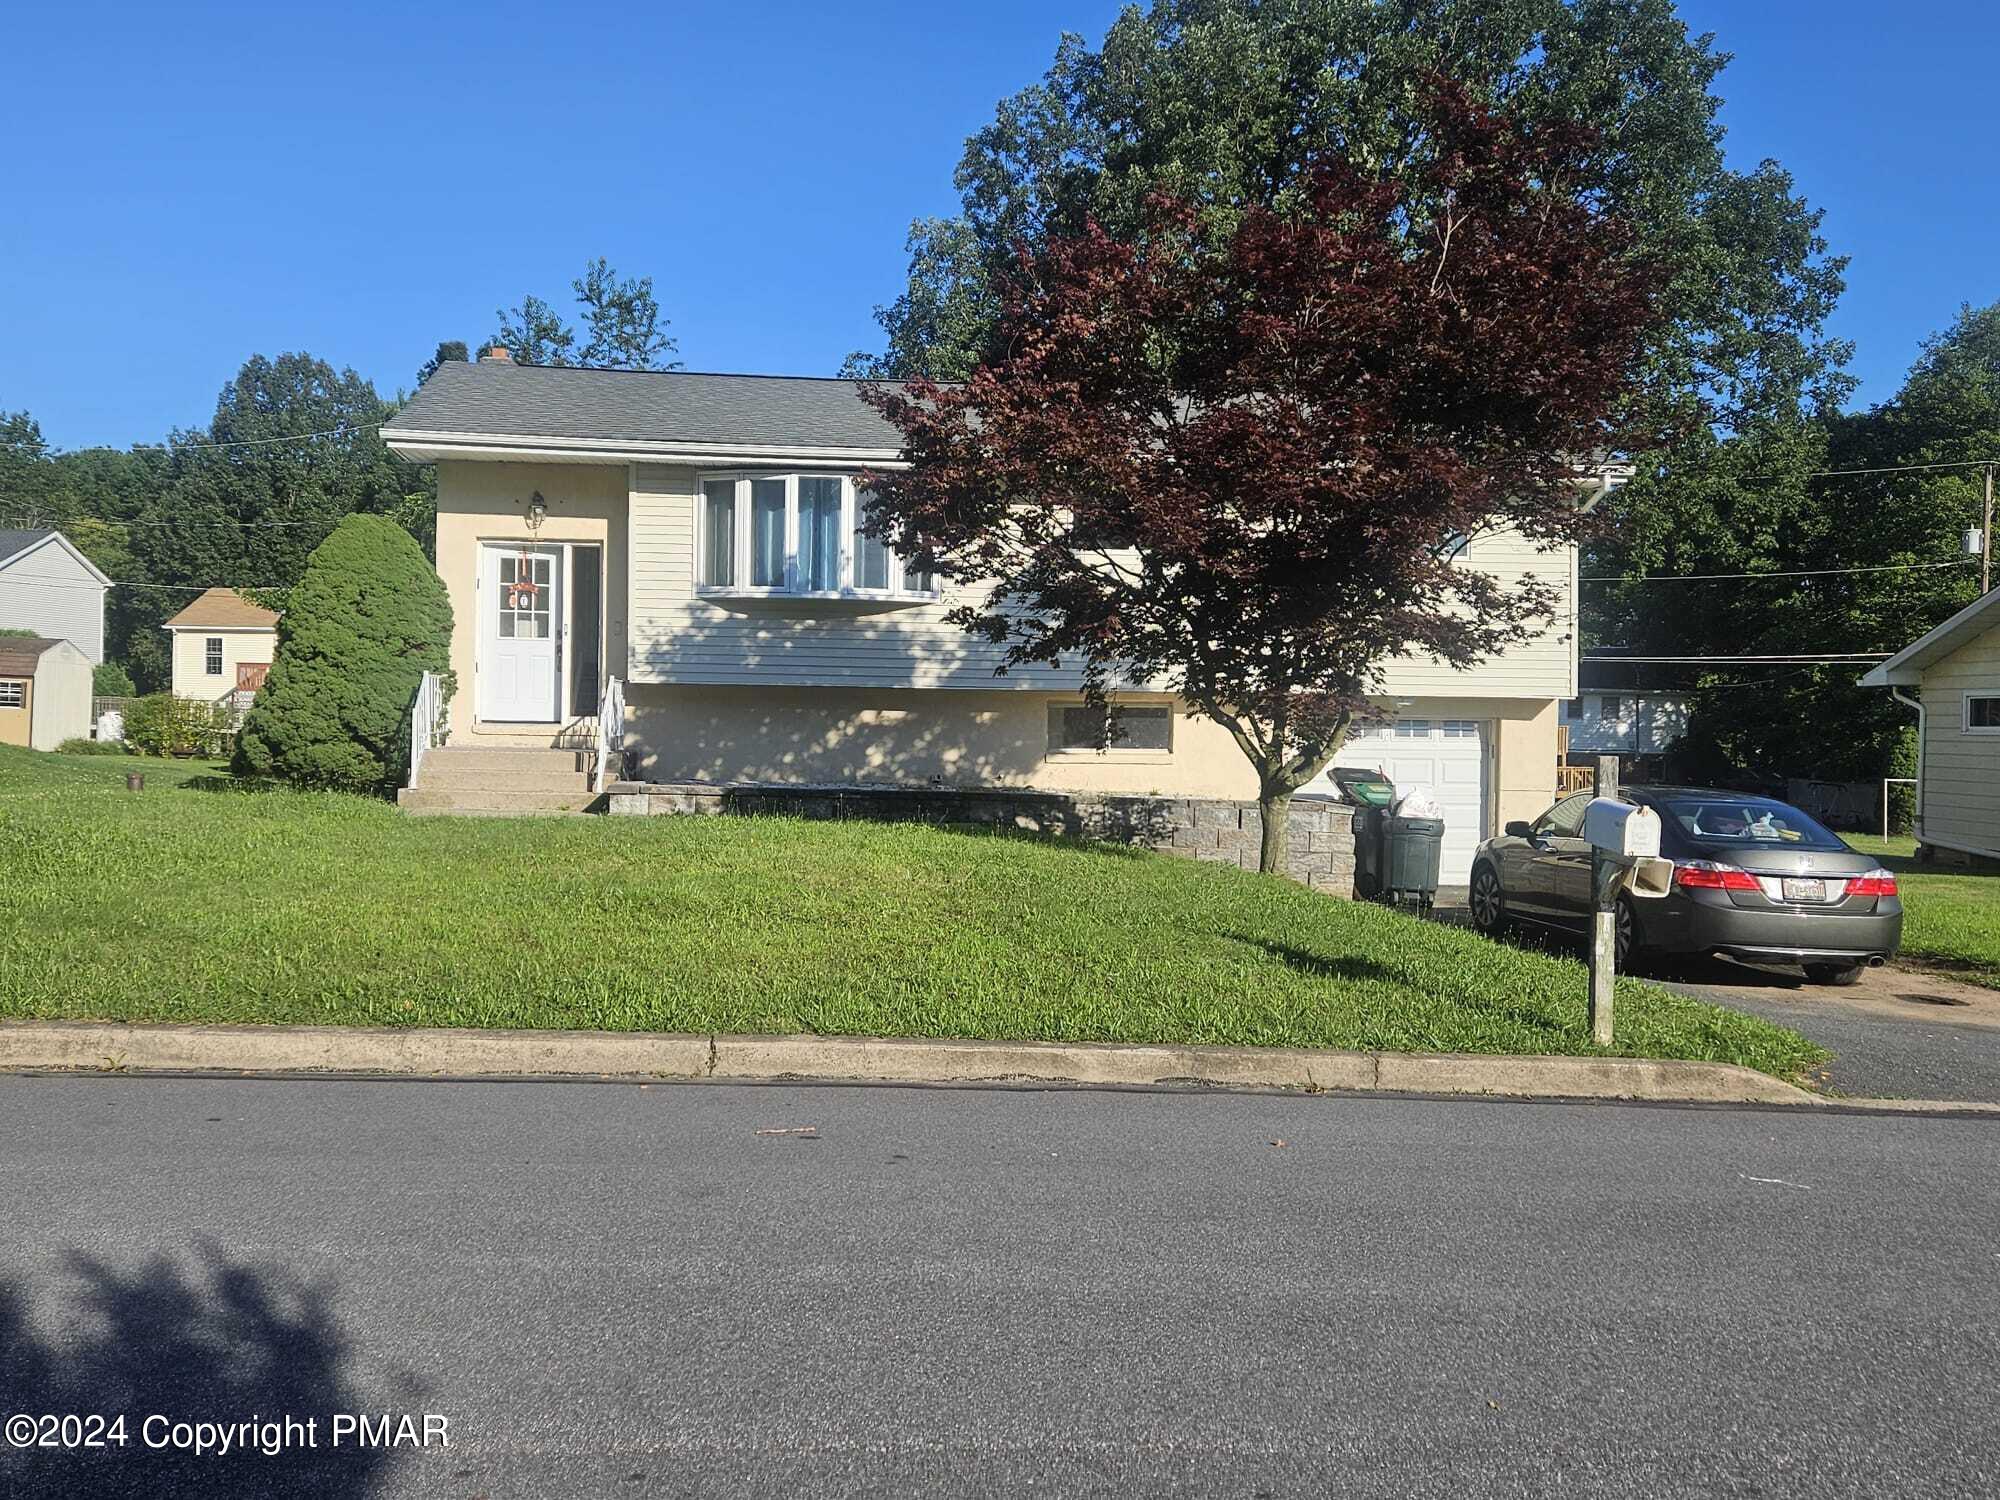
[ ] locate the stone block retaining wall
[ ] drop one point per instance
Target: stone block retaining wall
(1320, 853)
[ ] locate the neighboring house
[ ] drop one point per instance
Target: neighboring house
(695, 536)
(49, 587)
(44, 692)
(1623, 723)
(1956, 672)
(222, 644)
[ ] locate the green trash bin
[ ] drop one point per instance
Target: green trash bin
(1411, 852)
(1371, 793)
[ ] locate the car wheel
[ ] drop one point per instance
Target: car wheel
(1488, 902)
(1841, 974)
(1626, 937)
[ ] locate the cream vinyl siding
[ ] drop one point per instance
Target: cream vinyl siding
(1961, 772)
(1543, 667)
(191, 678)
(680, 637)
(48, 591)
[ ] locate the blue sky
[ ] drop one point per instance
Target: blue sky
(194, 183)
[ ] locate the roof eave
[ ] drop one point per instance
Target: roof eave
(1906, 667)
(68, 546)
(428, 446)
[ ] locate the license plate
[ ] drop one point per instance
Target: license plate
(1805, 890)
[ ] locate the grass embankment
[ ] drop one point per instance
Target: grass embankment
(200, 899)
(1950, 921)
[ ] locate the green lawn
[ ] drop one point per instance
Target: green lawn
(1951, 921)
(199, 899)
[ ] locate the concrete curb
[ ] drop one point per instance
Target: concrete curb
(86, 1046)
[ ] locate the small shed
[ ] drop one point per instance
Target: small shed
(44, 692)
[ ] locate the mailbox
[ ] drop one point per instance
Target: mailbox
(1621, 830)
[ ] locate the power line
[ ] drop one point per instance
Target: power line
(1957, 562)
(1969, 463)
(198, 521)
(1832, 657)
(294, 437)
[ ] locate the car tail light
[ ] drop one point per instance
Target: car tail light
(1876, 882)
(1709, 875)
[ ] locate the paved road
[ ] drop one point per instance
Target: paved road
(624, 1291)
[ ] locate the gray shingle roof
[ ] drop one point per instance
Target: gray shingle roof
(643, 406)
(19, 655)
(18, 540)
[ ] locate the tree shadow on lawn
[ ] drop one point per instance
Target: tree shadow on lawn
(225, 783)
(1353, 967)
(1346, 966)
(216, 1342)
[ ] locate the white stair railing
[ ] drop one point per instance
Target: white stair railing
(610, 730)
(426, 722)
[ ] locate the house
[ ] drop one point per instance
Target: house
(44, 692)
(222, 644)
(49, 587)
(1609, 718)
(1956, 673)
(694, 535)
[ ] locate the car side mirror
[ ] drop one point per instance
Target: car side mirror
(1519, 830)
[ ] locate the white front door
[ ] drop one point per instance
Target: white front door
(520, 641)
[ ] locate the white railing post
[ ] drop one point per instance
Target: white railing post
(424, 713)
(610, 730)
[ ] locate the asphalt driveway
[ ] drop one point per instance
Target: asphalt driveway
(1900, 1033)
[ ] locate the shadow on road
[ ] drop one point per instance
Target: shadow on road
(207, 1341)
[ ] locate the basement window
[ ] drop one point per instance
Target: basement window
(1132, 727)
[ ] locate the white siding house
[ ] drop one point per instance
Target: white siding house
(49, 587)
(1623, 723)
(223, 644)
(1955, 674)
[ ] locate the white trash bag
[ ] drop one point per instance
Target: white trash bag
(1416, 802)
(111, 725)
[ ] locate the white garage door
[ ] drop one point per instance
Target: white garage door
(1446, 755)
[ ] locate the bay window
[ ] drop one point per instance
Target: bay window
(795, 534)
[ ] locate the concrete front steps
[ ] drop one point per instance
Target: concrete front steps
(494, 782)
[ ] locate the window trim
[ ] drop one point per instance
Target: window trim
(1128, 754)
(214, 656)
(898, 590)
(1965, 724)
(17, 690)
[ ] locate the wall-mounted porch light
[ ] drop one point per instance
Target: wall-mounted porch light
(538, 511)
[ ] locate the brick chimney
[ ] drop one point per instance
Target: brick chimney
(497, 355)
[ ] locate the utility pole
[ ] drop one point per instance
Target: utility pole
(1986, 540)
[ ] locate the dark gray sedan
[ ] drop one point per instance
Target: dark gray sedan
(1754, 879)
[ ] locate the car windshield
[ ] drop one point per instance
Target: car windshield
(1747, 820)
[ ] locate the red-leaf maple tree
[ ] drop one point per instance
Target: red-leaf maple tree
(1235, 457)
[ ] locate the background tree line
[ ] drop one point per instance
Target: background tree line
(1227, 103)
(293, 447)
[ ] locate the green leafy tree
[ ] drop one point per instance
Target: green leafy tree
(449, 351)
(110, 680)
(367, 620)
(1227, 102)
(621, 317)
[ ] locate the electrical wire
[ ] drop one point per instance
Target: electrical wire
(1959, 562)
